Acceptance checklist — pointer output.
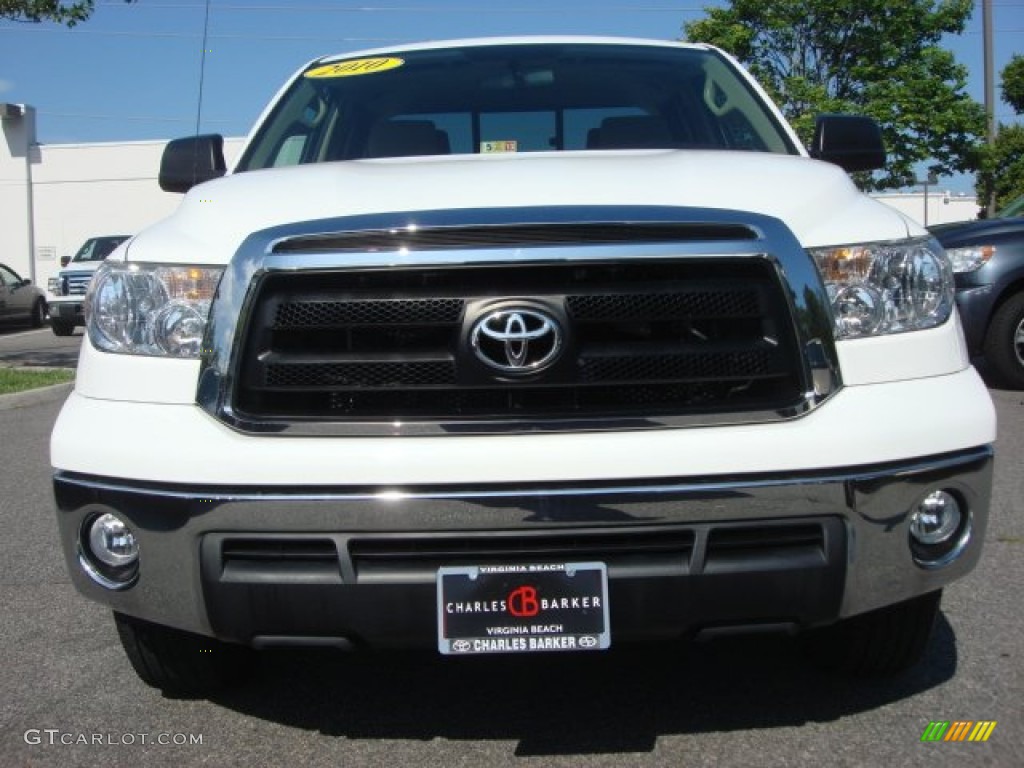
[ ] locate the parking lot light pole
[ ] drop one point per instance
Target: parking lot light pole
(929, 181)
(990, 91)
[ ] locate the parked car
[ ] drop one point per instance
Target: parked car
(20, 301)
(67, 289)
(988, 265)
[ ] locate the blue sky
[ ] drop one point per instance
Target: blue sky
(132, 71)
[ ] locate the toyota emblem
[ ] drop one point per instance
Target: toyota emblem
(516, 340)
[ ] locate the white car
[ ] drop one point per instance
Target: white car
(522, 345)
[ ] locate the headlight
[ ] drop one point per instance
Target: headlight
(970, 258)
(880, 288)
(150, 309)
(53, 286)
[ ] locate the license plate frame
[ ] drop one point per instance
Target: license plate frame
(522, 608)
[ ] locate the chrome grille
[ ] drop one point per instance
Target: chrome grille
(75, 283)
(515, 235)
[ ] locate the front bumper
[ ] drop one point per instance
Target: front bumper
(72, 311)
(357, 565)
(975, 303)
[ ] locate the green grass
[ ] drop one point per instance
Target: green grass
(16, 380)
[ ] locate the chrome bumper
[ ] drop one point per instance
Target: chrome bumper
(70, 309)
(358, 563)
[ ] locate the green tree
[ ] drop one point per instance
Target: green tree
(1002, 167)
(48, 10)
(1013, 83)
(879, 58)
(1002, 164)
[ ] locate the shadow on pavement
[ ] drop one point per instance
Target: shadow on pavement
(617, 702)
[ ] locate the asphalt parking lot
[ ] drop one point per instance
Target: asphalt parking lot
(736, 702)
(39, 347)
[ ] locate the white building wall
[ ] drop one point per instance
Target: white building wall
(55, 196)
(938, 208)
(85, 190)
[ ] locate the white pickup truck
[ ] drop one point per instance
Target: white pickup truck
(519, 345)
(65, 298)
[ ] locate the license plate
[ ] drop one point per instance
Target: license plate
(522, 608)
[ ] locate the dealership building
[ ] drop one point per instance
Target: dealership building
(55, 196)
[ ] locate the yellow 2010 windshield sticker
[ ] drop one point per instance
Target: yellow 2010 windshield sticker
(497, 147)
(355, 67)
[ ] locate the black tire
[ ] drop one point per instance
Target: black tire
(62, 327)
(38, 315)
(882, 642)
(181, 663)
(1004, 341)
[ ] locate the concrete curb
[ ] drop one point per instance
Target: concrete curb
(36, 396)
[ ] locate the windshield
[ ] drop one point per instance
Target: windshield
(98, 248)
(515, 98)
(1013, 209)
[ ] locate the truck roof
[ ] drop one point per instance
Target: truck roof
(515, 40)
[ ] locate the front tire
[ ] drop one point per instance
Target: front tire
(881, 642)
(181, 663)
(62, 327)
(38, 314)
(1004, 341)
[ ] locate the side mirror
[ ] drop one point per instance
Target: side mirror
(852, 142)
(25, 282)
(190, 161)
(65, 260)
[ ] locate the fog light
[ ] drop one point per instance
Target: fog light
(112, 542)
(939, 529)
(108, 552)
(936, 518)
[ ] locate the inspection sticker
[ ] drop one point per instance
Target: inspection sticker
(497, 147)
(354, 67)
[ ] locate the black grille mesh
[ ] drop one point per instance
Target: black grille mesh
(726, 303)
(317, 314)
(641, 340)
(407, 374)
(704, 366)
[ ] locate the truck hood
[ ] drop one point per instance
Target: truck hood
(816, 200)
(80, 267)
(977, 232)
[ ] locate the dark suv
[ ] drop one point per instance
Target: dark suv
(988, 262)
